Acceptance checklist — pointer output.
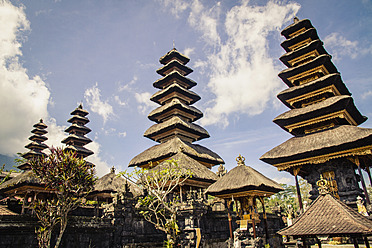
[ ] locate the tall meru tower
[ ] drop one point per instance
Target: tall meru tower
(322, 118)
(174, 128)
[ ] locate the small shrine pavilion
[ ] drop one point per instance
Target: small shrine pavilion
(244, 185)
(174, 128)
(322, 118)
(329, 217)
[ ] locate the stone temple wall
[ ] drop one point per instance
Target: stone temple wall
(120, 225)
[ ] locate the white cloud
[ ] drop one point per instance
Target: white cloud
(367, 94)
(128, 86)
(119, 101)
(206, 21)
(189, 51)
(93, 98)
(55, 133)
(176, 6)
(340, 46)
(122, 134)
(102, 167)
(145, 104)
(23, 100)
(243, 75)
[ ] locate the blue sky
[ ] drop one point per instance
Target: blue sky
(56, 54)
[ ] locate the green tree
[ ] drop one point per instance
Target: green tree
(289, 196)
(72, 178)
(160, 203)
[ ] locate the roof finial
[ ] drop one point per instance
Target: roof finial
(240, 159)
(174, 45)
(112, 170)
(295, 19)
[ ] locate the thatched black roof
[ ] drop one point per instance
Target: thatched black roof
(174, 55)
(175, 91)
(172, 147)
(79, 111)
(331, 80)
(308, 34)
(186, 163)
(316, 45)
(340, 141)
(26, 178)
(243, 179)
(322, 60)
(173, 77)
(329, 216)
(157, 131)
(188, 112)
(318, 110)
(112, 183)
(295, 26)
(174, 65)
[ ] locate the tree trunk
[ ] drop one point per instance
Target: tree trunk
(62, 230)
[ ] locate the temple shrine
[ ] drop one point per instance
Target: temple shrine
(174, 128)
(322, 118)
(36, 146)
(77, 131)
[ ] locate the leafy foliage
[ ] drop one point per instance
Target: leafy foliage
(7, 175)
(289, 197)
(72, 178)
(160, 202)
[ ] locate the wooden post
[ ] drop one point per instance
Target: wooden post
(265, 219)
(319, 242)
(355, 241)
(24, 203)
(228, 203)
(299, 198)
(252, 218)
(181, 193)
(362, 180)
(366, 242)
(369, 174)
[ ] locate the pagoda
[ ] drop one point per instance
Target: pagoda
(36, 146)
(322, 118)
(26, 185)
(77, 131)
(175, 129)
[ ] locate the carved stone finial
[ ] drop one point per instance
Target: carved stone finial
(112, 169)
(323, 186)
(240, 159)
(221, 171)
(295, 19)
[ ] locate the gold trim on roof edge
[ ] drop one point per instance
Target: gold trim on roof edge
(341, 114)
(361, 151)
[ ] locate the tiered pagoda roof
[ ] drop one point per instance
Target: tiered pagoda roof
(174, 128)
(322, 115)
(77, 131)
(36, 146)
